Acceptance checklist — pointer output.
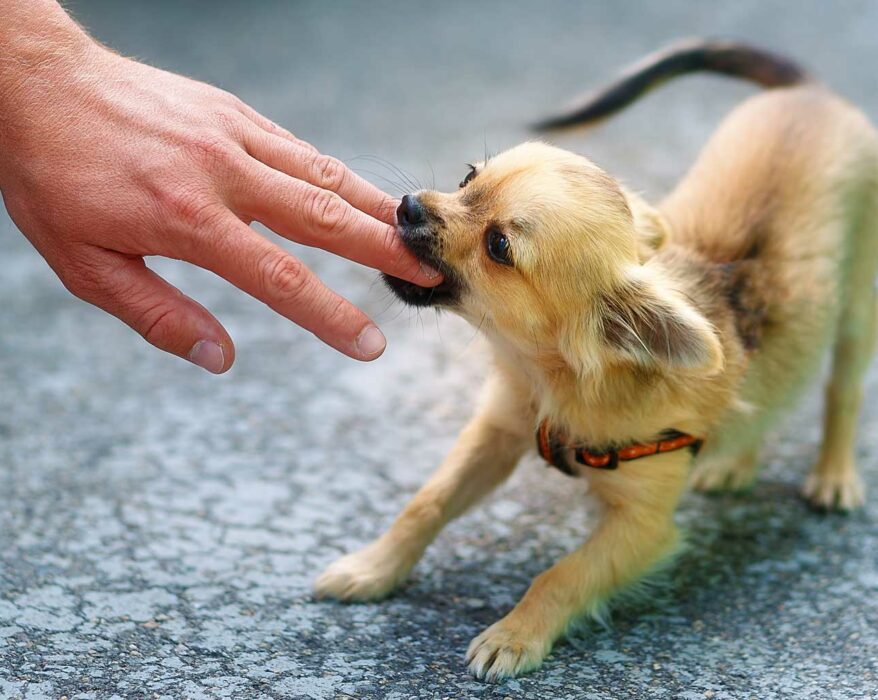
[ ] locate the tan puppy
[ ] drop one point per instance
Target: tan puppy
(630, 332)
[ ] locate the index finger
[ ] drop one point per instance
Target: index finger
(320, 218)
(322, 171)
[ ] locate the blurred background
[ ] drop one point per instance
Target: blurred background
(159, 527)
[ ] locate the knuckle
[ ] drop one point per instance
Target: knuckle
(328, 173)
(284, 277)
(83, 280)
(157, 323)
(194, 207)
(232, 123)
(336, 312)
(327, 211)
(212, 149)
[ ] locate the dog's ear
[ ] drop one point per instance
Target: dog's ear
(650, 226)
(645, 323)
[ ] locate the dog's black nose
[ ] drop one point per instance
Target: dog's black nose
(411, 212)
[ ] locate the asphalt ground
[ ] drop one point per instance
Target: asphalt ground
(160, 527)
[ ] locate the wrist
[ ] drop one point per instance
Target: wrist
(42, 55)
(38, 40)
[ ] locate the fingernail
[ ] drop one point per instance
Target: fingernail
(371, 342)
(429, 272)
(207, 355)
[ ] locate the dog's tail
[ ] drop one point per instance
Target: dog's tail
(690, 56)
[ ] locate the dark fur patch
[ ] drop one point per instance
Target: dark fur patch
(746, 304)
(734, 288)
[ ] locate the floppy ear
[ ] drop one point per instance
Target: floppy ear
(650, 326)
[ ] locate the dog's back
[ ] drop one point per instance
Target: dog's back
(796, 141)
(776, 148)
(782, 203)
(784, 198)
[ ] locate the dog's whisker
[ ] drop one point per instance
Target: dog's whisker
(410, 182)
(396, 177)
(398, 188)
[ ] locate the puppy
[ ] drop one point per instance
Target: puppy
(625, 335)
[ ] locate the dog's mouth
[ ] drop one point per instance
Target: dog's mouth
(418, 231)
(446, 293)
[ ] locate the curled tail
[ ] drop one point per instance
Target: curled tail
(729, 58)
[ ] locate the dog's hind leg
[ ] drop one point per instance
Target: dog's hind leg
(833, 483)
(482, 458)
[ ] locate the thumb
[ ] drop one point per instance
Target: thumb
(160, 312)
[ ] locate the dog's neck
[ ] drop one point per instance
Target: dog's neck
(603, 401)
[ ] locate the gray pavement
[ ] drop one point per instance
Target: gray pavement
(159, 528)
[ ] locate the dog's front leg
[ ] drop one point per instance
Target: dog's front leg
(483, 456)
(636, 532)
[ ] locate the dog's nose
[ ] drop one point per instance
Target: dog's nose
(411, 212)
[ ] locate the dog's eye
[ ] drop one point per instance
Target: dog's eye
(497, 245)
(469, 176)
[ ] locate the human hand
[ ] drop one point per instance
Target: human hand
(107, 160)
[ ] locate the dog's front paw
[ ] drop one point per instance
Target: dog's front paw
(840, 491)
(370, 574)
(720, 481)
(733, 475)
(507, 648)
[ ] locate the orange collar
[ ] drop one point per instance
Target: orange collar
(554, 449)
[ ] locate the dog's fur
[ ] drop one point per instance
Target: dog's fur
(618, 320)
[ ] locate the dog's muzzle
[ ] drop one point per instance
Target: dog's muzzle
(419, 231)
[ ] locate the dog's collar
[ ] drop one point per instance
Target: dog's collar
(553, 448)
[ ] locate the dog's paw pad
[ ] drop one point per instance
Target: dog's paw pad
(503, 651)
(357, 577)
(844, 492)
